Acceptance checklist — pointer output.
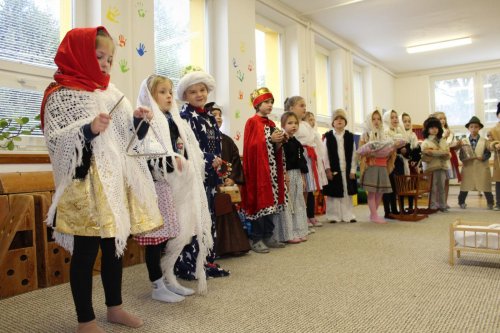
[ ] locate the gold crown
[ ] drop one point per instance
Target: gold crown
(259, 95)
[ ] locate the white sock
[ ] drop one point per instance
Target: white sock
(180, 290)
(162, 294)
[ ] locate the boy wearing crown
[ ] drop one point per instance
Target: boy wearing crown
(263, 193)
(476, 174)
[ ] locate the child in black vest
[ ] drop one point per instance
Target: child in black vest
(340, 167)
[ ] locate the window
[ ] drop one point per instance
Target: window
(358, 101)
(468, 94)
(455, 97)
(179, 36)
(268, 61)
(491, 95)
(322, 74)
(30, 32)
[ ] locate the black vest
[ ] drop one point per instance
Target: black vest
(335, 187)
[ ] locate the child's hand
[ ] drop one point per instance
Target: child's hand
(143, 112)
(216, 162)
(352, 175)
(497, 146)
(178, 161)
(287, 181)
(329, 174)
(277, 136)
(228, 182)
(100, 123)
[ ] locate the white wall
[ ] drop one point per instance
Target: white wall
(412, 95)
(382, 89)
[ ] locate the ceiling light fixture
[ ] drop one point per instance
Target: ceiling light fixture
(341, 4)
(439, 45)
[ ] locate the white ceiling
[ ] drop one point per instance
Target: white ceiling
(384, 28)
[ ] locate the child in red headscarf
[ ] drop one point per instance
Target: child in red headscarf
(102, 193)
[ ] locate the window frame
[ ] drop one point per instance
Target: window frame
(18, 74)
(324, 120)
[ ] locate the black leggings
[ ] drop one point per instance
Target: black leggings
(310, 205)
(153, 257)
(80, 274)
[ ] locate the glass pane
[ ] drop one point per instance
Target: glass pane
(30, 30)
(455, 97)
(179, 36)
(16, 103)
(491, 86)
(358, 97)
(268, 62)
(260, 49)
(322, 86)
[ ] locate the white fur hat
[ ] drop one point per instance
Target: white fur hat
(193, 78)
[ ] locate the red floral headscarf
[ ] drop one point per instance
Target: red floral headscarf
(77, 66)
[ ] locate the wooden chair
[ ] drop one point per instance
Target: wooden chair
(414, 186)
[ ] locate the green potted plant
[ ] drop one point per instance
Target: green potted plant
(11, 130)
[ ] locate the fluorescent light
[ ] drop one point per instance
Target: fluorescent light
(439, 45)
(487, 85)
(491, 100)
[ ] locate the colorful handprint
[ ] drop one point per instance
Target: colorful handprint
(141, 49)
(240, 75)
(124, 66)
(112, 14)
(250, 66)
(237, 136)
(235, 64)
(240, 94)
(122, 41)
(140, 10)
(237, 114)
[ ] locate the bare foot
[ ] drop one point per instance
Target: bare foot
(89, 327)
(378, 220)
(117, 315)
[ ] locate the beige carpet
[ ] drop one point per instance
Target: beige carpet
(359, 277)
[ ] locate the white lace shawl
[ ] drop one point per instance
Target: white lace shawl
(309, 136)
(190, 198)
(66, 111)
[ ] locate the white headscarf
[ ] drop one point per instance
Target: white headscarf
(398, 131)
(371, 133)
(410, 136)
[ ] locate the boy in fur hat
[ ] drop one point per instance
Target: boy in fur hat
(340, 166)
(494, 146)
(476, 174)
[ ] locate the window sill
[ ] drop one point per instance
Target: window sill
(25, 158)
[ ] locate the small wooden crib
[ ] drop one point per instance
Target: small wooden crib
(473, 237)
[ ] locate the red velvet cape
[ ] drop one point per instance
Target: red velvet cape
(257, 192)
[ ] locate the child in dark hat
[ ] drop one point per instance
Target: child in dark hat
(476, 174)
(435, 155)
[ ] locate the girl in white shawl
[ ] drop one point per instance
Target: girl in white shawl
(172, 136)
(395, 131)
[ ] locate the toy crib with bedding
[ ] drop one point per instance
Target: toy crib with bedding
(473, 237)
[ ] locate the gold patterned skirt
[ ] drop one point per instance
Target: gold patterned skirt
(83, 210)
